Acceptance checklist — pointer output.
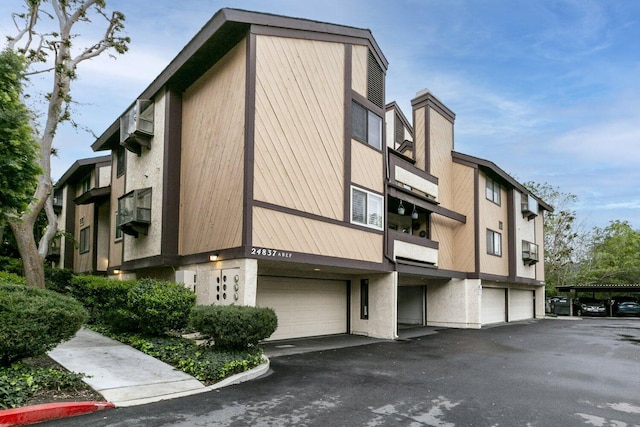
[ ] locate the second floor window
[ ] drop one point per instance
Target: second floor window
(494, 243)
(84, 240)
(493, 191)
(366, 126)
(85, 185)
(366, 208)
(120, 161)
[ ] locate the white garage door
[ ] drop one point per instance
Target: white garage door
(520, 304)
(493, 305)
(305, 307)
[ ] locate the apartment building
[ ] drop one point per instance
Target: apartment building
(264, 167)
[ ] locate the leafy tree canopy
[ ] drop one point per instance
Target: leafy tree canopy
(18, 148)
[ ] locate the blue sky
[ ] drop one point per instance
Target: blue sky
(549, 90)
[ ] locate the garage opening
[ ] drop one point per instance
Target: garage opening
(521, 304)
(493, 305)
(305, 307)
(411, 306)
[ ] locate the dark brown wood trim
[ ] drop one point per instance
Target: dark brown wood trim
(396, 108)
(302, 214)
(301, 34)
(416, 240)
(401, 155)
(203, 257)
(427, 99)
(249, 143)
(152, 261)
(476, 217)
(171, 172)
(511, 229)
(395, 160)
(368, 105)
(348, 52)
(329, 261)
(70, 228)
(94, 237)
(427, 271)
(427, 140)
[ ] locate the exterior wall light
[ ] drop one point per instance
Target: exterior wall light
(213, 257)
(400, 208)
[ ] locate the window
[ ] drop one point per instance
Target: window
(366, 126)
(494, 243)
(529, 252)
(84, 240)
(120, 161)
(366, 208)
(493, 191)
(85, 184)
(364, 299)
(134, 212)
(118, 229)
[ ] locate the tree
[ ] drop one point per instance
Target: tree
(54, 53)
(18, 150)
(613, 257)
(562, 235)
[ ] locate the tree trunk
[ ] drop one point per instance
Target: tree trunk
(32, 262)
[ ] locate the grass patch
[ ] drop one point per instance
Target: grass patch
(203, 362)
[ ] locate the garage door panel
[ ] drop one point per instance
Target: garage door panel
(305, 307)
(520, 304)
(493, 305)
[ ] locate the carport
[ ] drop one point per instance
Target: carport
(575, 290)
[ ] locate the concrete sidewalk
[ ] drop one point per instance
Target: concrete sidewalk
(122, 374)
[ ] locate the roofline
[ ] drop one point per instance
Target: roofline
(393, 105)
(502, 174)
(244, 19)
(81, 164)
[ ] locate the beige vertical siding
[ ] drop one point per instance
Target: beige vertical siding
(490, 217)
(366, 167)
(441, 164)
(211, 181)
(299, 125)
(464, 203)
(420, 137)
(359, 59)
(286, 232)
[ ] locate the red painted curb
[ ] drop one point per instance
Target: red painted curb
(49, 411)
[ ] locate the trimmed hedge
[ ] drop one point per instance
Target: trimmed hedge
(33, 321)
(58, 279)
(12, 278)
(153, 307)
(232, 326)
(99, 295)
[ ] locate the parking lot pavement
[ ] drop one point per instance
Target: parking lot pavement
(544, 373)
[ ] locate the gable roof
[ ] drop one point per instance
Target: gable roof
(222, 32)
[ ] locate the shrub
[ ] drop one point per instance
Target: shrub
(11, 279)
(99, 295)
(33, 321)
(234, 327)
(153, 307)
(11, 265)
(58, 279)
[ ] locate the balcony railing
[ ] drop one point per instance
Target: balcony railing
(406, 246)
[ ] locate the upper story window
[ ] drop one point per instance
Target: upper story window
(119, 233)
(493, 191)
(366, 208)
(366, 126)
(85, 184)
(494, 243)
(84, 240)
(134, 212)
(120, 156)
(529, 252)
(136, 126)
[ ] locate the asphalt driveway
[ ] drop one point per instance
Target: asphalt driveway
(541, 373)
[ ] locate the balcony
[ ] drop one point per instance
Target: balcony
(134, 212)
(408, 233)
(529, 206)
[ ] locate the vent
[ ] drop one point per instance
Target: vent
(399, 136)
(375, 82)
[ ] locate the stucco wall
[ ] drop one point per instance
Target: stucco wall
(382, 322)
(454, 304)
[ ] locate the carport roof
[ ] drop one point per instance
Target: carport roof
(600, 288)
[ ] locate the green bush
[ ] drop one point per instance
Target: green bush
(33, 321)
(99, 295)
(234, 327)
(153, 307)
(58, 279)
(11, 279)
(11, 265)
